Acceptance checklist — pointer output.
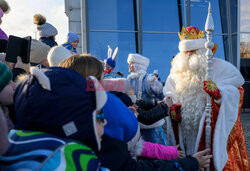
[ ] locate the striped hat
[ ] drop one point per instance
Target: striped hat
(5, 76)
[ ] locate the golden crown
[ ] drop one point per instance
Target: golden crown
(191, 32)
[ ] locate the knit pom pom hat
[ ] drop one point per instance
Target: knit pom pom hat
(5, 76)
(45, 29)
(4, 6)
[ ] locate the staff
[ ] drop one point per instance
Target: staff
(209, 28)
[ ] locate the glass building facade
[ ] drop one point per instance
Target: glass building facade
(245, 48)
(151, 29)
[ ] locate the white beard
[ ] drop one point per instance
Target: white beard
(189, 74)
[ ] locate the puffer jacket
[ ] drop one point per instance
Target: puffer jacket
(153, 115)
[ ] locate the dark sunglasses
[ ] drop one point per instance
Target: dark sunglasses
(100, 116)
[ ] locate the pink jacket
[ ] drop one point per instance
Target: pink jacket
(155, 151)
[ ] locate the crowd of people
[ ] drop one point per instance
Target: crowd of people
(69, 111)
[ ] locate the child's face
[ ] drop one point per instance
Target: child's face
(131, 67)
(106, 66)
(6, 95)
(74, 43)
(100, 127)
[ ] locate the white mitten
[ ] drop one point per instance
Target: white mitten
(151, 78)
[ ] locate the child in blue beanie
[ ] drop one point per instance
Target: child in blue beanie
(72, 43)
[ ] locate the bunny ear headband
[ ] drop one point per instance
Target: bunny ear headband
(110, 55)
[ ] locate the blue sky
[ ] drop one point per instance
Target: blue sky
(19, 20)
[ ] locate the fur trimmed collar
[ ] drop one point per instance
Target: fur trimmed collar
(136, 75)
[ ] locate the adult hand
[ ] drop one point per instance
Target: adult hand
(22, 65)
(168, 100)
(203, 158)
(211, 89)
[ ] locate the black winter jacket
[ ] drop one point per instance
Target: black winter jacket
(114, 155)
(146, 104)
(153, 115)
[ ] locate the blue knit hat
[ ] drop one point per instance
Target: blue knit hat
(5, 76)
(57, 101)
(72, 37)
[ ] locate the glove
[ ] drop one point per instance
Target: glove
(211, 89)
(151, 78)
(174, 112)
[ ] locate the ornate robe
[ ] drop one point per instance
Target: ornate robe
(227, 140)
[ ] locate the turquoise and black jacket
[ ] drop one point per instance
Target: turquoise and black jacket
(41, 151)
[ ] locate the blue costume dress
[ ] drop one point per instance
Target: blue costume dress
(146, 87)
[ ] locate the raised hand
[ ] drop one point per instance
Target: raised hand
(211, 89)
(203, 158)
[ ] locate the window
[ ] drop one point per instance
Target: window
(245, 40)
(99, 42)
(199, 10)
(111, 15)
(155, 31)
(160, 27)
(160, 49)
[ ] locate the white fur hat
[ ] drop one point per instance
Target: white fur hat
(57, 54)
(137, 58)
(193, 44)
